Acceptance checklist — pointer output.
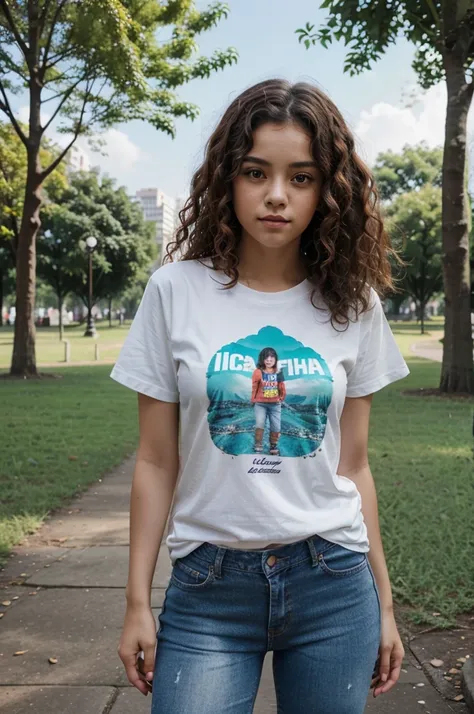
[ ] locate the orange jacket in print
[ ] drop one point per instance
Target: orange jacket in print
(268, 390)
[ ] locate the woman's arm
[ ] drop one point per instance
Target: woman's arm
(153, 485)
(354, 464)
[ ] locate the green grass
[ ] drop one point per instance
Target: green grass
(50, 349)
(420, 452)
(42, 423)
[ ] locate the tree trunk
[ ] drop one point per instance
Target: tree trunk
(110, 312)
(457, 374)
(24, 355)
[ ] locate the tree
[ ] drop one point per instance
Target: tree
(443, 34)
(93, 64)
(60, 257)
(13, 169)
(125, 242)
(414, 167)
(414, 223)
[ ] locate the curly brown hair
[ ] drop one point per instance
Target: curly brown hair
(345, 248)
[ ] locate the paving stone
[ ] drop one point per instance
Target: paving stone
(79, 627)
(56, 700)
(28, 560)
(130, 700)
(99, 516)
(98, 566)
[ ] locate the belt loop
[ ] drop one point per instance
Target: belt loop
(312, 550)
(218, 561)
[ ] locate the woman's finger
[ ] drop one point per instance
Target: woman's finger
(133, 676)
(392, 680)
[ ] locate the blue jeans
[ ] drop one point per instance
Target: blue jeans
(272, 410)
(313, 603)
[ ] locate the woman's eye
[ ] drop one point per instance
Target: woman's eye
(253, 171)
(303, 176)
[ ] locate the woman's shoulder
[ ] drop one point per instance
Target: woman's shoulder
(177, 271)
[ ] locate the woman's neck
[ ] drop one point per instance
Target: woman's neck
(268, 269)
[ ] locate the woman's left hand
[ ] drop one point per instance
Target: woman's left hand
(391, 653)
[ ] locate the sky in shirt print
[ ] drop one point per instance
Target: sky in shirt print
(255, 410)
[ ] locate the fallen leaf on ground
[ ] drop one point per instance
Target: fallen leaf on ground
(459, 698)
(20, 652)
(436, 614)
(33, 593)
(449, 679)
(453, 671)
(437, 662)
(1, 615)
(16, 597)
(22, 575)
(461, 659)
(52, 660)
(7, 603)
(73, 458)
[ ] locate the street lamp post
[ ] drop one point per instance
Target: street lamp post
(91, 244)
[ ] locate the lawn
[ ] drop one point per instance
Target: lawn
(58, 436)
(50, 349)
(420, 451)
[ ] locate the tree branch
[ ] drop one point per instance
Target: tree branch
(44, 15)
(21, 43)
(44, 174)
(47, 48)
(433, 11)
(5, 107)
(66, 96)
(55, 59)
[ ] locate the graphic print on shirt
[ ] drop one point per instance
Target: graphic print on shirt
(268, 393)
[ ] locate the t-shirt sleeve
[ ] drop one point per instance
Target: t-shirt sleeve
(146, 362)
(379, 361)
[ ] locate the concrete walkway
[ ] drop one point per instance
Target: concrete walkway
(66, 586)
(428, 349)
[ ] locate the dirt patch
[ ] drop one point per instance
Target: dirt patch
(432, 646)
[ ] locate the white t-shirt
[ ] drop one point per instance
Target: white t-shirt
(195, 343)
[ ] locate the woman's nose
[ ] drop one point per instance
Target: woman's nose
(276, 194)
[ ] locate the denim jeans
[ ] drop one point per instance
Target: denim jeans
(272, 410)
(313, 603)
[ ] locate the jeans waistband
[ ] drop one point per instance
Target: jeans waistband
(258, 560)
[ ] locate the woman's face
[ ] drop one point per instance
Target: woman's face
(269, 362)
(270, 183)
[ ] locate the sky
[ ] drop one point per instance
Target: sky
(378, 105)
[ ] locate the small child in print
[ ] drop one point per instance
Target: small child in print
(268, 392)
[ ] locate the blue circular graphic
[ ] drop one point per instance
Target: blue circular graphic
(280, 410)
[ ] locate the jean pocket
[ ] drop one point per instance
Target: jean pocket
(191, 578)
(339, 561)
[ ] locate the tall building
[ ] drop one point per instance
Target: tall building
(159, 209)
(77, 160)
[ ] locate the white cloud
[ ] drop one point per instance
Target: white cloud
(386, 126)
(122, 153)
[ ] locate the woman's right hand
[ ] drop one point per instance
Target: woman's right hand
(139, 633)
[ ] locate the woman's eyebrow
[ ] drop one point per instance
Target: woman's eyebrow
(294, 165)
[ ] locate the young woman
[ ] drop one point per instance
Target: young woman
(281, 242)
(268, 392)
